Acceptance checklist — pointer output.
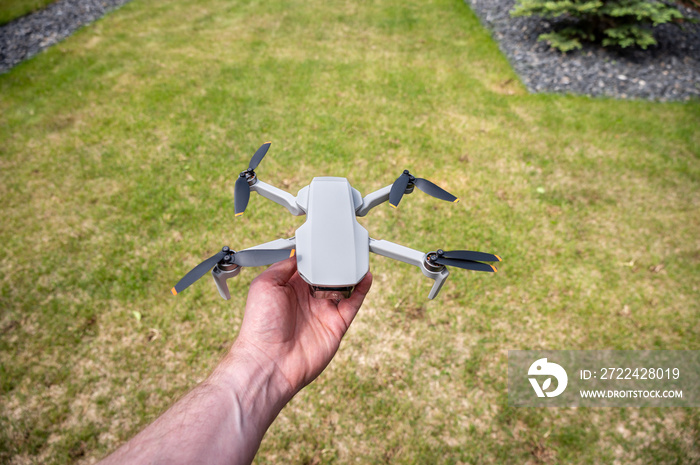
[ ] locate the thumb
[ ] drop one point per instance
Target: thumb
(348, 308)
(280, 273)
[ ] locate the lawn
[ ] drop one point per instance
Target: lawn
(12, 9)
(120, 148)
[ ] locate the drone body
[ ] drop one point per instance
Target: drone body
(331, 247)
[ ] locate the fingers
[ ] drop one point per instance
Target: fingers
(362, 288)
(348, 308)
(280, 273)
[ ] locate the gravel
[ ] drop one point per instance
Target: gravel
(26, 36)
(668, 71)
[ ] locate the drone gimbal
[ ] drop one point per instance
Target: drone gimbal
(331, 247)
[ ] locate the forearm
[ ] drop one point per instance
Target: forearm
(222, 420)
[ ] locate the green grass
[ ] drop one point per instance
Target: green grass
(120, 147)
(13, 9)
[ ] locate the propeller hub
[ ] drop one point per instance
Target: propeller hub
(429, 261)
(250, 176)
(225, 263)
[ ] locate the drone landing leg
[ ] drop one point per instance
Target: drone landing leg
(439, 281)
(220, 277)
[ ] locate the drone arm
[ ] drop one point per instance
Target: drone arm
(397, 252)
(220, 276)
(412, 257)
(278, 196)
(372, 200)
(277, 244)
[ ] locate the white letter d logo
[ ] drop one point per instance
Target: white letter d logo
(542, 367)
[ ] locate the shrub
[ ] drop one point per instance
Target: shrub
(621, 23)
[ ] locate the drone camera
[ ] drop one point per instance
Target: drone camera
(335, 293)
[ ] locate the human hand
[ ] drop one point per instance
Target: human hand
(286, 340)
(287, 327)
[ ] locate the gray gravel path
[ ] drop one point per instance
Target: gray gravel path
(26, 36)
(668, 71)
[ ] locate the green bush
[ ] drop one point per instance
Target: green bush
(621, 23)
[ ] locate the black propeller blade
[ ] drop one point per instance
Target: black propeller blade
(469, 255)
(241, 192)
(398, 188)
(248, 258)
(432, 189)
(465, 259)
(259, 155)
(199, 271)
(408, 181)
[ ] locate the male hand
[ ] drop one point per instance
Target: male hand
(284, 325)
(286, 340)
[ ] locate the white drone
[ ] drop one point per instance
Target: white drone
(331, 247)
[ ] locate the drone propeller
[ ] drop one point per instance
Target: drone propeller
(249, 258)
(407, 181)
(465, 259)
(242, 188)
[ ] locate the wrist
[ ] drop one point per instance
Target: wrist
(259, 388)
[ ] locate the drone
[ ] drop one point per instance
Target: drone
(331, 247)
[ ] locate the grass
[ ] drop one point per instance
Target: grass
(120, 149)
(13, 9)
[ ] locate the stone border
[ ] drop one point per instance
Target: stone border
(668, 71)
(24, 37)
